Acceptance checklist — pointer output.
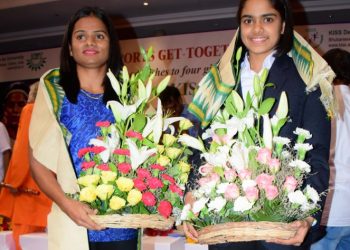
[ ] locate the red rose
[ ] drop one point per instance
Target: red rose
(139, 184)
(122, 151)
(134, 134)
(157, 166)
(103, 124)
(124, 167)
(175, 189)
(154, 183)
(165, 208)
(148, 199)
(87, 164)
(98, 149)
(143, 173)
(83, 151)
(168, 178)
(104, 167)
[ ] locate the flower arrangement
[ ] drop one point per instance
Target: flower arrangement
(250, 173)
(137, 166)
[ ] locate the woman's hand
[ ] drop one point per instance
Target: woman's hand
(302, 228)
(187, 227)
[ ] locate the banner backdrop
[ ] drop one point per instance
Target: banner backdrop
(185, 57)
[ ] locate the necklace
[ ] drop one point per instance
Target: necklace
(91, 96)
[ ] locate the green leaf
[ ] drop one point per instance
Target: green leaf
(162, 85)
(237, 100)
(266, 106)
(263, 76)
(257, 87)
(139, 122)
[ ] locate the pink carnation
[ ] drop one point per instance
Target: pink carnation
(148, 199)
(157, 166)
(168, 178)
(83, 151)
(88, 164)
(252, 193)
(244, 174)
(165, 208)
(274, 165)
(264, 180)
(231, 192)
(230, 174)
(103, 124)
(203, 181)
(205, 169)
(264, 155)
(175, 189)
(97, 149)
(103, 167)
(124, 167)
(271, 192)
(134, 134)
(143, 173)
(154, 183)
(290, 184)
(122, 151)
(139, 184)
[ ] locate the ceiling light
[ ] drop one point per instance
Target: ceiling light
(145, 3)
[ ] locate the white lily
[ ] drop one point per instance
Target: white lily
(282, 109)
(220, 158)
(139, 156)
(155, 124)
(114, 82)
(267, 133)
(122, 112)
(239, 157)
(192, 142)
(199, 205)
(217, 204)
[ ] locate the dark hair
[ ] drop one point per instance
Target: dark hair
(286, 40)
(339, 60)
(68, 72)
(169, 95)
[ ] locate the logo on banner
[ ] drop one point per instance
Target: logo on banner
(315, 38)
(36, 61)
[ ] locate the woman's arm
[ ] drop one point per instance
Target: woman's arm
(46, 180)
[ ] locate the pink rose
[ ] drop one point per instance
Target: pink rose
(264, 155)
(231, 192)
(252, 193)
(264, 180)
(221, 139)
(244, 174)
(124, 167)
(154, 183)
(203, 181)
(168, 178)
(87, 165)
(148, 199)
(165, 208)
(104, 167)
(175, 189)
(157, 166)
(83, 151)
(274, 165)
(230, 174)
(97, 149)
(214, 177)
(290, 184)
(139, 184)
(271, 192)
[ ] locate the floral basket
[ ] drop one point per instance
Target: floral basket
(154, 221)
(244, 231)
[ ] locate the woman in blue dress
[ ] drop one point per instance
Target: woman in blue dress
(74, 97)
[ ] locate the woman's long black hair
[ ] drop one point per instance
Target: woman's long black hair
(68, 70)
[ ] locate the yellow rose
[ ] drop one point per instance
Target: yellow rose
(125, 184)
(160, 148)
(108, 176)
(134, 197)
(185, 124)
(184, 177)
(163, 160)
(116, 203)
(168, 140)
(184, 167)
(88, 194)
(104, 191)
(173, 153)
(89, 180)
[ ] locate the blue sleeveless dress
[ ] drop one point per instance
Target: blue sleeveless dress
(80, 119)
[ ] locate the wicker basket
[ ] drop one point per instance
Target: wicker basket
(244, 231)
(134, 221)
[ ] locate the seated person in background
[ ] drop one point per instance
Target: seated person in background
(172, 104)
(5, 150)
(21, 200)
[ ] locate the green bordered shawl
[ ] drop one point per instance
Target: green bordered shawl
(218, 83)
